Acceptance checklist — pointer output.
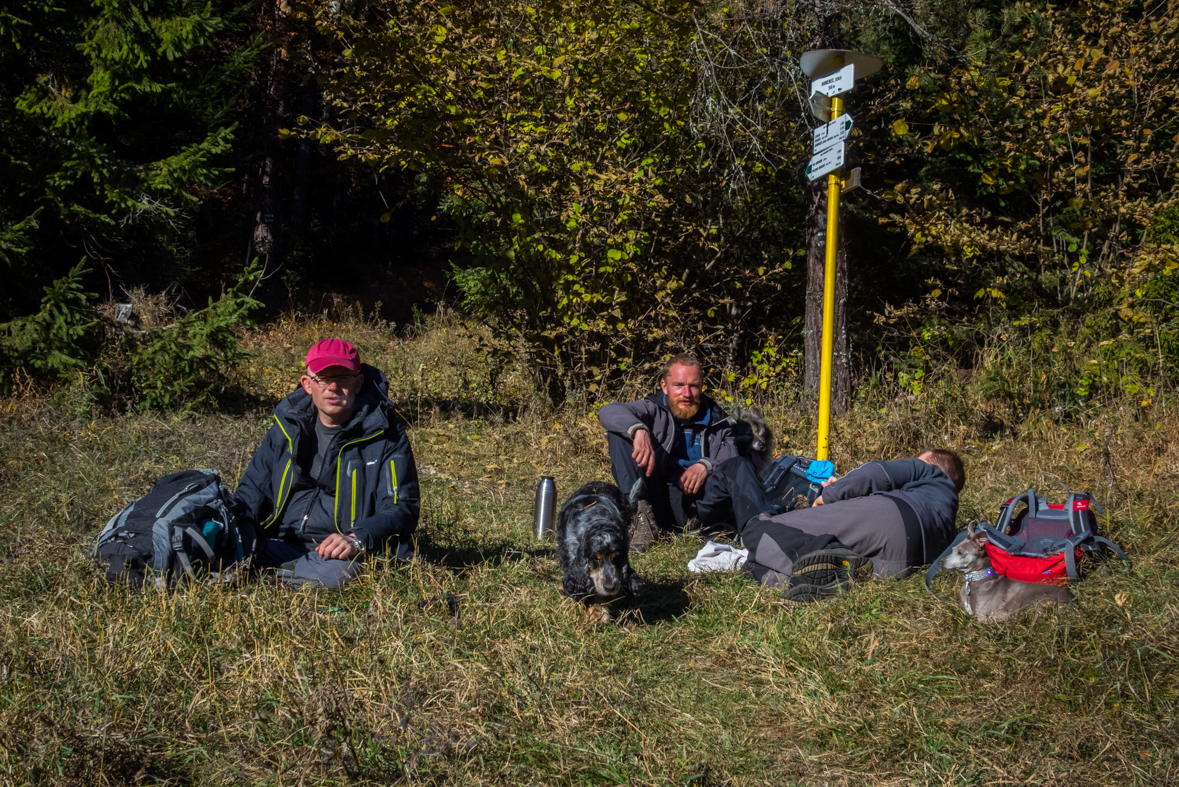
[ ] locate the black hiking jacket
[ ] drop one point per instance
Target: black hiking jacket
(368, 474)
(652, 414)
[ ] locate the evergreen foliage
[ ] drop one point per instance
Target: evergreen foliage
(118, 117)
(191, 361)
(52, 343)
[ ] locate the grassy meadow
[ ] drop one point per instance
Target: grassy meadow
(703, 681)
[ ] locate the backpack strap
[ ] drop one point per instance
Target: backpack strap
(1009, 544)
(1033, 499)
(936, 566)
(1004, 520)
(182, 555)
(1114, 547)
(1077, 520)
(177, 545)
(1070, 553)
(1007, 511)
(198, 538)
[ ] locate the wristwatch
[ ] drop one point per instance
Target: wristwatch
(357, 544)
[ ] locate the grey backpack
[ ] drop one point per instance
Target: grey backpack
(183, 529)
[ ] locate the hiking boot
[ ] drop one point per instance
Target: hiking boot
(643, 530)
(804, 593)
(830, 566)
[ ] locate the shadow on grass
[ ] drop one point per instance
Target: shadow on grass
(436, 544)
(661, 600)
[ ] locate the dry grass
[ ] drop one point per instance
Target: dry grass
(705, 681)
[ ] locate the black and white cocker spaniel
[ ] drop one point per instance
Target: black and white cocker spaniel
(593, 547)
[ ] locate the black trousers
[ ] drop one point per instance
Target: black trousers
(672, 508)
(733, 495)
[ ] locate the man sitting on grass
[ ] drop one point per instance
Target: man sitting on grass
(673, 440)
(882, 518)
(335, 479)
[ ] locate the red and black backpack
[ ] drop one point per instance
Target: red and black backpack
(1037, 541)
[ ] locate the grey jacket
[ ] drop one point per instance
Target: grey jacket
(925, 487)
(652, 414)
(369, 470)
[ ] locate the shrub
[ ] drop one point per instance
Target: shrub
(188, 362)
(51, 344)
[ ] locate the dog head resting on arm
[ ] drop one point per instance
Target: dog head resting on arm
(593, 547)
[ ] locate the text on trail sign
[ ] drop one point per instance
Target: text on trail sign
(835, 131)
(826, 160)
(836, 82)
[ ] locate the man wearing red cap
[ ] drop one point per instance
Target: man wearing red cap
(335, 479)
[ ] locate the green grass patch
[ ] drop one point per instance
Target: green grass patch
(704, 681)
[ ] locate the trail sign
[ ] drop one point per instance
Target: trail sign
(821, 61)
(820, 106)
(826, 160)
(852, 181)
(834, 72)
(835, 131)
(837, 82)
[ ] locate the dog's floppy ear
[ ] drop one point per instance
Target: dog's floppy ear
(630, 581)
(577, 584)
(636, 493)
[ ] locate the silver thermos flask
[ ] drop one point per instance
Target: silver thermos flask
(546, 506)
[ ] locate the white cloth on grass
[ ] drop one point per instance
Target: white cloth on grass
(717, 557)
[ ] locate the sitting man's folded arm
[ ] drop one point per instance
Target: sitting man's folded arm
(252, 497)
(625, 417)
(398, 500)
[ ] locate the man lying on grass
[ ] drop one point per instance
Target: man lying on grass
(882, 518)
(335, 479)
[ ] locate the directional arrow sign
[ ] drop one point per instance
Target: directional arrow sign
(820, 106)
(836, 82)
(835, 131)
(852, 181)
(826, 160)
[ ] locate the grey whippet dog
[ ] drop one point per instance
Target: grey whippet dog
(988, 595)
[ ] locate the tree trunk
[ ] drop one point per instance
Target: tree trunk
(267, 222)
(813, 330)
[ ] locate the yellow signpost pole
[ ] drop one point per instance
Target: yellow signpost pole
(834, 188)
(834, 72)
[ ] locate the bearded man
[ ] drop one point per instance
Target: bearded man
(672, 440)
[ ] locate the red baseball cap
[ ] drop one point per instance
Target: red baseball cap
(332, 352)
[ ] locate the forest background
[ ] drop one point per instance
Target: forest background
(599, 184)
